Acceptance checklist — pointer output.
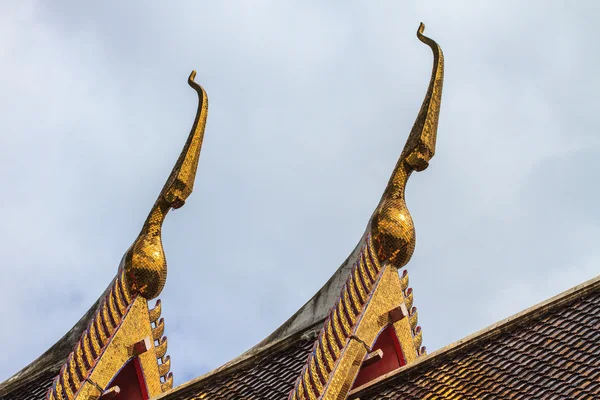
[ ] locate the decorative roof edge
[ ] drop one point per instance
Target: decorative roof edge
(54, 358)
(89, 348)
(160, 346)
(413, 315)
(483, 335)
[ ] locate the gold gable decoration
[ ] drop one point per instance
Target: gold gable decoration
(374, 297)
(124, 328)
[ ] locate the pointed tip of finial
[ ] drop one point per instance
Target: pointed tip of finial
(193, 84)
(420, 35)
(431, 43)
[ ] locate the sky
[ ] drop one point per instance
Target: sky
(310, 104)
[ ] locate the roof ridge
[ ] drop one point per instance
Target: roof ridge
(485, 334)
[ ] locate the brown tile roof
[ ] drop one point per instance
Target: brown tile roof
(550, 351)
(268, 374)
(35, 389)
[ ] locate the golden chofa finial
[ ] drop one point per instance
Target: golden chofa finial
(145, 263)
(392, 228)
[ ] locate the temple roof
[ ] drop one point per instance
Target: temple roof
(67, 367)
(541, 350)
(547, 351)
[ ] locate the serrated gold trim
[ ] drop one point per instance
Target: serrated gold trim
(418, 338)
(404, 280)
(161, 348)
(165, 367)
(159, 330)
(168, 383)
(409, 298)
(155, 312)
(413, 318)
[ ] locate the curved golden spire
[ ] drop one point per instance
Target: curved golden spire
(392, 228)
(145, 263)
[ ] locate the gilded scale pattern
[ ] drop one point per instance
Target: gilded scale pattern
(141, 276)
(389, 244)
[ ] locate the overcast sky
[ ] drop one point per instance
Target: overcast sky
(310, 104)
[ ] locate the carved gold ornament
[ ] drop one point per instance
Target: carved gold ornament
(374, 289)
(123, 328)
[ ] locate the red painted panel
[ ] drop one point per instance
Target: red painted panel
(391, 360)
(131, 382)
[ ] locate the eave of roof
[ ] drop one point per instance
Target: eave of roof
(479, 337)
